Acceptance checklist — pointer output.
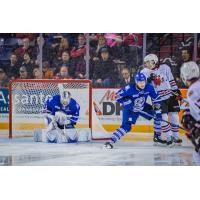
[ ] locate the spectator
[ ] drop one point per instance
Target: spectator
(186, 54)
(119, 51)
(29, 64)
(47, 72)
(23, 73)
(105, 73)
(63, 74)
(37, 74)
(65, 61)
(24, 49)
(58, 50)
(4, 81)
(30, 36)
(13, 68)
(95, 53)
(133, 39)
(126, 77)
(78, 62)
(80, 49)
(64, 46)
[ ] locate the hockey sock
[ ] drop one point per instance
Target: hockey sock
(117, 135)
(174, 118)
(166, 128)
(157, 128)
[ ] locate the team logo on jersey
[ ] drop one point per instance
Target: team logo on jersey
(139, 102)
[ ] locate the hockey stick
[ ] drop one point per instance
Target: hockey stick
(172, 124)
(183, 99)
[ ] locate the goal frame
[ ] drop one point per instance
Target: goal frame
(49, 81)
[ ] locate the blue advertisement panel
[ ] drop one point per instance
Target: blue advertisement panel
(4, 100)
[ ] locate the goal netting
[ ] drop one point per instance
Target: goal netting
(27, 99)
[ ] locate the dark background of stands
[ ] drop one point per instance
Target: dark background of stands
(68, 56)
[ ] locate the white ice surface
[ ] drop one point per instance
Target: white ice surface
(23, 151)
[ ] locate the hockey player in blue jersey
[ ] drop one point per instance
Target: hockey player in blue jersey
(61, 113)
(133, 98)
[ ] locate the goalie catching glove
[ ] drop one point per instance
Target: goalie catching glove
(62, 119)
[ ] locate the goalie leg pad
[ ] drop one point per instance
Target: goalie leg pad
(71, 135)
(53, 136)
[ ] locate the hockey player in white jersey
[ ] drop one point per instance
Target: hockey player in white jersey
(61, 114)
(191, 118)
(164, 83)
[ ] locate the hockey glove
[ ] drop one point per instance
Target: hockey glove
(156, 79)
(178, 95)
(191, 124)
(158, 113)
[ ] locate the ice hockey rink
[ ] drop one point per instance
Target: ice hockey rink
(138, 152)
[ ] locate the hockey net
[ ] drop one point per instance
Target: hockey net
(27, 99)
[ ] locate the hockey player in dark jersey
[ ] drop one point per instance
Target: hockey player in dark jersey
(134, 97)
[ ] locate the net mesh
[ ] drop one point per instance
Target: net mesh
(28, 99)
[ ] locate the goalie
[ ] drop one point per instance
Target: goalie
(61, 115)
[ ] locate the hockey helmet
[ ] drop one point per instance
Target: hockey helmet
(151, 60)
(189, 70)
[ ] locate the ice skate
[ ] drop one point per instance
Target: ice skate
(108, 145)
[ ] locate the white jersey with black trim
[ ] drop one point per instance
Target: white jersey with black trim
(167, 80)
(193, 97)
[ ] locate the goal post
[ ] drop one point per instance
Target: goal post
(27, 98)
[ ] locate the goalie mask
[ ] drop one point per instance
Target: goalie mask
(65, 98)
(189, 71)
(150, 61)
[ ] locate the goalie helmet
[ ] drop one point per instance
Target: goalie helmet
(65, 95)
(151, 60)
(189, 71)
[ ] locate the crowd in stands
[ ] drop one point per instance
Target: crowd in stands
(114, 58)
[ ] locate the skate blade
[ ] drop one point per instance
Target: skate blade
(106, 147)
(159, 144)
(171, 145)
(178, 144)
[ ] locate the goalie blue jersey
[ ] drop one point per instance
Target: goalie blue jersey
(134, 99)
(53, 105)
